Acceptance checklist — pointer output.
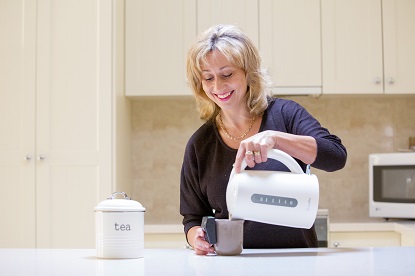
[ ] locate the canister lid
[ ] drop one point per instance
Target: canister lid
(125, 204)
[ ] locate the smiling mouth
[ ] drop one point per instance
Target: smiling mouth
(224, 96)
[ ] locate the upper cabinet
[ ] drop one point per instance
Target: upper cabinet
(287, 33)
(242, 13)
(158, 34)
(399, 46)
(156, 48)
(308, 46)
(368, 46)
(290, 44)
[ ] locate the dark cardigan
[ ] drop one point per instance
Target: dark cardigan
(208, 162)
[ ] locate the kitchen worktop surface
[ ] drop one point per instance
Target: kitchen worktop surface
(310, 261)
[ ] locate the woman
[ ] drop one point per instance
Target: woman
(242, 120)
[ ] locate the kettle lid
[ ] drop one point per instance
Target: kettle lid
(125, 204)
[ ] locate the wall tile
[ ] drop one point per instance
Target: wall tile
(366, 124)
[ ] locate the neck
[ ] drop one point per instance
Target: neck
(237, 131)
(236, 120)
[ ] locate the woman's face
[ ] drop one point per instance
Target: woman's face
(223, 82)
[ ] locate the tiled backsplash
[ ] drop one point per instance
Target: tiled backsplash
(366, 124)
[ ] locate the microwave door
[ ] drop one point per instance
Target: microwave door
(394, 184)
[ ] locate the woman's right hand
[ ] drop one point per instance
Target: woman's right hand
(196, 238)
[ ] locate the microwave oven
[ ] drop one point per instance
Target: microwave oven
(392, 185)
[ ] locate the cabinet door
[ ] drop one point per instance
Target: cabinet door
(352, 47)
(242, 13)
(399, 45)
(158, 34)
(290, 44)
(365, 239)
(73, 119)
(17, 121)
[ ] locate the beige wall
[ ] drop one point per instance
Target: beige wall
(366, 124)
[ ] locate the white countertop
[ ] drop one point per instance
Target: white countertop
(310, 261)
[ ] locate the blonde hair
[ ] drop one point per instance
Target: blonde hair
(240, 51)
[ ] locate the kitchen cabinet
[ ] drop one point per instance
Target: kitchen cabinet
(368, 46)
(17, 120)
(244, 14)
(60, 144)
(365, 239)
(155, 57)
(279, 29)
(391, 233)
(398, 46)
(290, 44)
(164, 236)
(158, 34)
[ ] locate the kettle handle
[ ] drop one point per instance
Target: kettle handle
(278, 155)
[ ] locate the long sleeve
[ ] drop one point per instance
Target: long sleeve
(291, 117)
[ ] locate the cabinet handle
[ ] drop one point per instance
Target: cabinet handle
(336, 244)
(28, 157)
(377, 81)
(41, 157)
(390, 81)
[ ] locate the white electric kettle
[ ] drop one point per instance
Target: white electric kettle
(274, 197)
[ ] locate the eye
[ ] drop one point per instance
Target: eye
(207, 77)
(228, 75)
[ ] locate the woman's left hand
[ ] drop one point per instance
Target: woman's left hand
(255, 149)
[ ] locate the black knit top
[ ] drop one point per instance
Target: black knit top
(208, 162)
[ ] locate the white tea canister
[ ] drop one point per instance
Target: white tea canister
(119, 224)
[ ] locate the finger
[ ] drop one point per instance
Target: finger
(264, 152)
(249, 158)
(240, 155)
(201, 250)
(262, 144)
(257, 156)
(249, 154)
(245, 151)
(202, 247)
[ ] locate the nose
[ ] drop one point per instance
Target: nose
(218, 84)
